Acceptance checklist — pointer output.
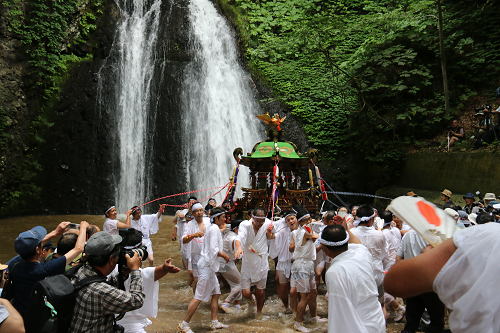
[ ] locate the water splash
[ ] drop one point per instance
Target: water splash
(135, 44)
(219, 105)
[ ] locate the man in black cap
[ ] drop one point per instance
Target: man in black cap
(25, 274)
(47, 249)
(97, 303)
(469, 208)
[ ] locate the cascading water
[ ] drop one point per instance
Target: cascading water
(219, 106)
(135, 46)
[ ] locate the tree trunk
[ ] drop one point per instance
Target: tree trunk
(443, 60)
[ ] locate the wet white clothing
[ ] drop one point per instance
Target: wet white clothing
(110, 226)
(304, 256)
(212, 244)
(209, 264)
(468, 282)
(393, 245)
(412, 245)
(137, 320)
(180, 225)
(353, 304)
(228, 238)
(282, 243)
(148, 225)
(374, 241)
(254, 265)
(194, 247)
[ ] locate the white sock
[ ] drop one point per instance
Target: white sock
(215, 321)
(298, 324)
(237, 306)
(226, 305)
(184, 324)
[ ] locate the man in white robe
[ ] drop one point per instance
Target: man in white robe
(303, 277)
(193, 238)
(111, 224)
(251, 243)
(374, 241)
(208, 265)
(352, 291)
(282, 230)
(228, 270)
(148, 225)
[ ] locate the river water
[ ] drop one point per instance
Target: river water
(174, 295)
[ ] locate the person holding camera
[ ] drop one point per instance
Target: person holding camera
(208, 265)
(97, 303)
(136, 321)
(456, 133)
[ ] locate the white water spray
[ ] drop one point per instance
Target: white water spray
(137, 36)
(219, 106)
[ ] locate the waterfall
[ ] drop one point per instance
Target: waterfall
(219, 107)
(135, 47)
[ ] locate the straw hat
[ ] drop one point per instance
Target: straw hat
(447, 193)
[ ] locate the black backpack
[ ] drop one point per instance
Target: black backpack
(50, 307)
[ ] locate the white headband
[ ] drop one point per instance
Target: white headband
(212, 217)
(339, 243)
(294, 214)
(196, 206)
(367, 218)
(303, 217)
(110, 208)
(136, 208)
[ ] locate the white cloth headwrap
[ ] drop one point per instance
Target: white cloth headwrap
(339, 243)
(196, 206)
(302, 217)
(110, 208)
(136, 208)
(294, 214)
(212, 217)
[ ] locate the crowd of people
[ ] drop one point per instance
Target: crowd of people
(368, 260)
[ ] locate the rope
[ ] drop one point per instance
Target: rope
(184, 193)
(359, 195)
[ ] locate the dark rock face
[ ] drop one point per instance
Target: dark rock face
(79, 158)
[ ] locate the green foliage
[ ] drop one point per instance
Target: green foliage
(48, 29)
(367, 74)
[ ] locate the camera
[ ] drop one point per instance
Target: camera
(475, 204)
(125, 248)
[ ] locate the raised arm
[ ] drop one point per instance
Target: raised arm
(80, 243)
(121, 225)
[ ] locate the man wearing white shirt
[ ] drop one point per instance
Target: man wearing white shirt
(374, 241)
(352, 292)
(148, 225)
(251, 243)
(208, 265)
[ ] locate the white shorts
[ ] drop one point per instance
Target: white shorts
(246, 283)
(304, 285)
(207, 286)
(282, 277)
(193, 264)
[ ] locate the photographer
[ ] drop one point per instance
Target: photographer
(137, 320)
(97, 303)
(456, 133)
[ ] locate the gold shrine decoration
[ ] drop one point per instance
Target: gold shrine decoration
(274, 121)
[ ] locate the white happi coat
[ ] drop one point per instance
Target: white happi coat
(375, 242)
(254, 266)
(228, 238)
(467, 282)
(282, 244)
(212, 244)
(194, 247)
(353, 304)
(148, 225)
(137, 320)
(393, 243)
